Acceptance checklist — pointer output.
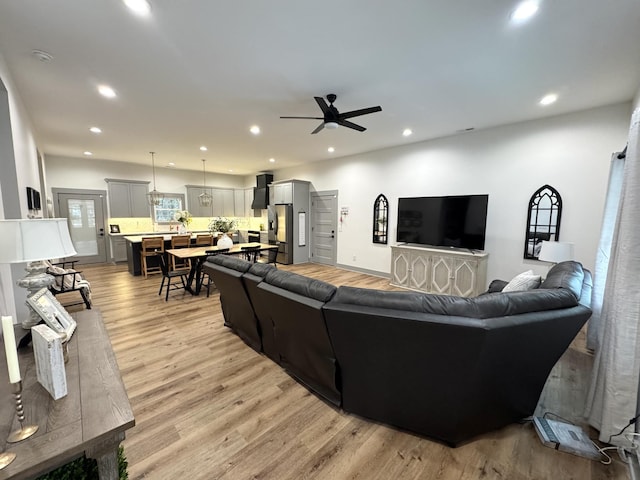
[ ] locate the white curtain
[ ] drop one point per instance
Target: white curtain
(614, 383)
(612, 202)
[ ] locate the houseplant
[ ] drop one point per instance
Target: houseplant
(222, 225)
(184, 217)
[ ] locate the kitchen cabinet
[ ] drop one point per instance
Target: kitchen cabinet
(223, 202)
(128, 198)
(433, 270)
(193, 202)
(118, 249)
(238, 203)
(248, 200)
(282, 193)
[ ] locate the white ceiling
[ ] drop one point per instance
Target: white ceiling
(201, 72)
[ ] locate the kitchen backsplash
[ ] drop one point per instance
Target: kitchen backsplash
(145, 225)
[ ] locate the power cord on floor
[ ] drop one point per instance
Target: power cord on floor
(631, 422)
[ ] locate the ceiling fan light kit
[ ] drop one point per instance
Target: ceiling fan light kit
(332, 118)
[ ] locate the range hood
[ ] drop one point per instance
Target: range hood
(261, 191)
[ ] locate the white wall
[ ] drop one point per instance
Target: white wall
(89, 173)
(569, 152)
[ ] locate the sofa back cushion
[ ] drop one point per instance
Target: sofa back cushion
(566, 275)
(485, 306)
(305, 286)
(261, 269)
(234, 263)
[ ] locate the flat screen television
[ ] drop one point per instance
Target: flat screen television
(452, 221)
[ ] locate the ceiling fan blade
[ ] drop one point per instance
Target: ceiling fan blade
(320, 127)
(346, 123)
(310, 118)
(322, 104)
(362, 111)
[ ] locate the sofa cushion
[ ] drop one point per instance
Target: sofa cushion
(485, 306)
(261, 269)
(522, 282)
(309, 287)
(496, 286)
(567, 275)
(234, 263)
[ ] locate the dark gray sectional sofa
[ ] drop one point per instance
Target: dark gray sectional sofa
(449, 368)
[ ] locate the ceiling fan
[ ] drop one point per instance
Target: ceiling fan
(332, 118)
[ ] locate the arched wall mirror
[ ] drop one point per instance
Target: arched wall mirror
(543, 220)
(380, 219)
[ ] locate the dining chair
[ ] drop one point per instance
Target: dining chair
(180, 241)
(204, 239)
(151, 247)
(250, 253)
(168, 275)
(272, 255)
(205, 280)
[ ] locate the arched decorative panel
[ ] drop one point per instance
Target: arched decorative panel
(543, 220)
(380, 219)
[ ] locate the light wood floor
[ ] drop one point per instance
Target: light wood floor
(208, 407)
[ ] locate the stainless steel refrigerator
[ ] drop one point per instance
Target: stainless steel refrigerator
(280, 219)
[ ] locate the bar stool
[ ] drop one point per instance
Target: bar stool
(204, 239)
(180, 241)
(151, 247)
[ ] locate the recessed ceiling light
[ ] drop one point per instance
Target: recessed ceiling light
(524, 11)
(95, 130)
(106, 91)
(272, 160)
(139, 7)
(203, 148)
(548, 99)
(331, 149)
(255, 130)
(230, 170)
(88, 153)
(406, 132)
(171, 164)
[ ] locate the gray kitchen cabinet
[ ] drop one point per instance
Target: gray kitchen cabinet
(127, 198)
(193, 201)
(238, 203)
(223, 202)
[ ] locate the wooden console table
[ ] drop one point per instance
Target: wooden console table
(90, 419)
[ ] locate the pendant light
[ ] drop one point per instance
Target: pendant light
(154, 197)
(205, 197)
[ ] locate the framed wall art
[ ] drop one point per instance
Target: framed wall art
(52, 312)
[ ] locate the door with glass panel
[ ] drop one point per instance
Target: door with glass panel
(85, 217)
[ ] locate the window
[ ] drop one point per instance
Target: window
(171, 202)
(543, 220)
(380, 217)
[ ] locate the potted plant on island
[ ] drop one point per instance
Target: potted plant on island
(184, 217)
(222, 225)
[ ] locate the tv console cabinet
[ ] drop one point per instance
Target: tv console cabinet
(439, 270)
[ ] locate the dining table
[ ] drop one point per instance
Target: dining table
(198, 255)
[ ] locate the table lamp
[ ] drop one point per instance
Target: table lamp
(34, 240)
(556, 252)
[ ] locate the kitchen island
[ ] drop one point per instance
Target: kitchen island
(134, 245)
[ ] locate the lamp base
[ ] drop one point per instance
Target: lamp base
(35, 280)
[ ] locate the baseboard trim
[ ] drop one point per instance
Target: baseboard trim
(351, 268)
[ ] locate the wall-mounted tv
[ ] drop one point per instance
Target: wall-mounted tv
(452, 221)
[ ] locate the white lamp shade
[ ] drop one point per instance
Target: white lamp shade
(330, 125)
(556, 252)
(34, 239)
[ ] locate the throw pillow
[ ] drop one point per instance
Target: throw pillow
(525, 281)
